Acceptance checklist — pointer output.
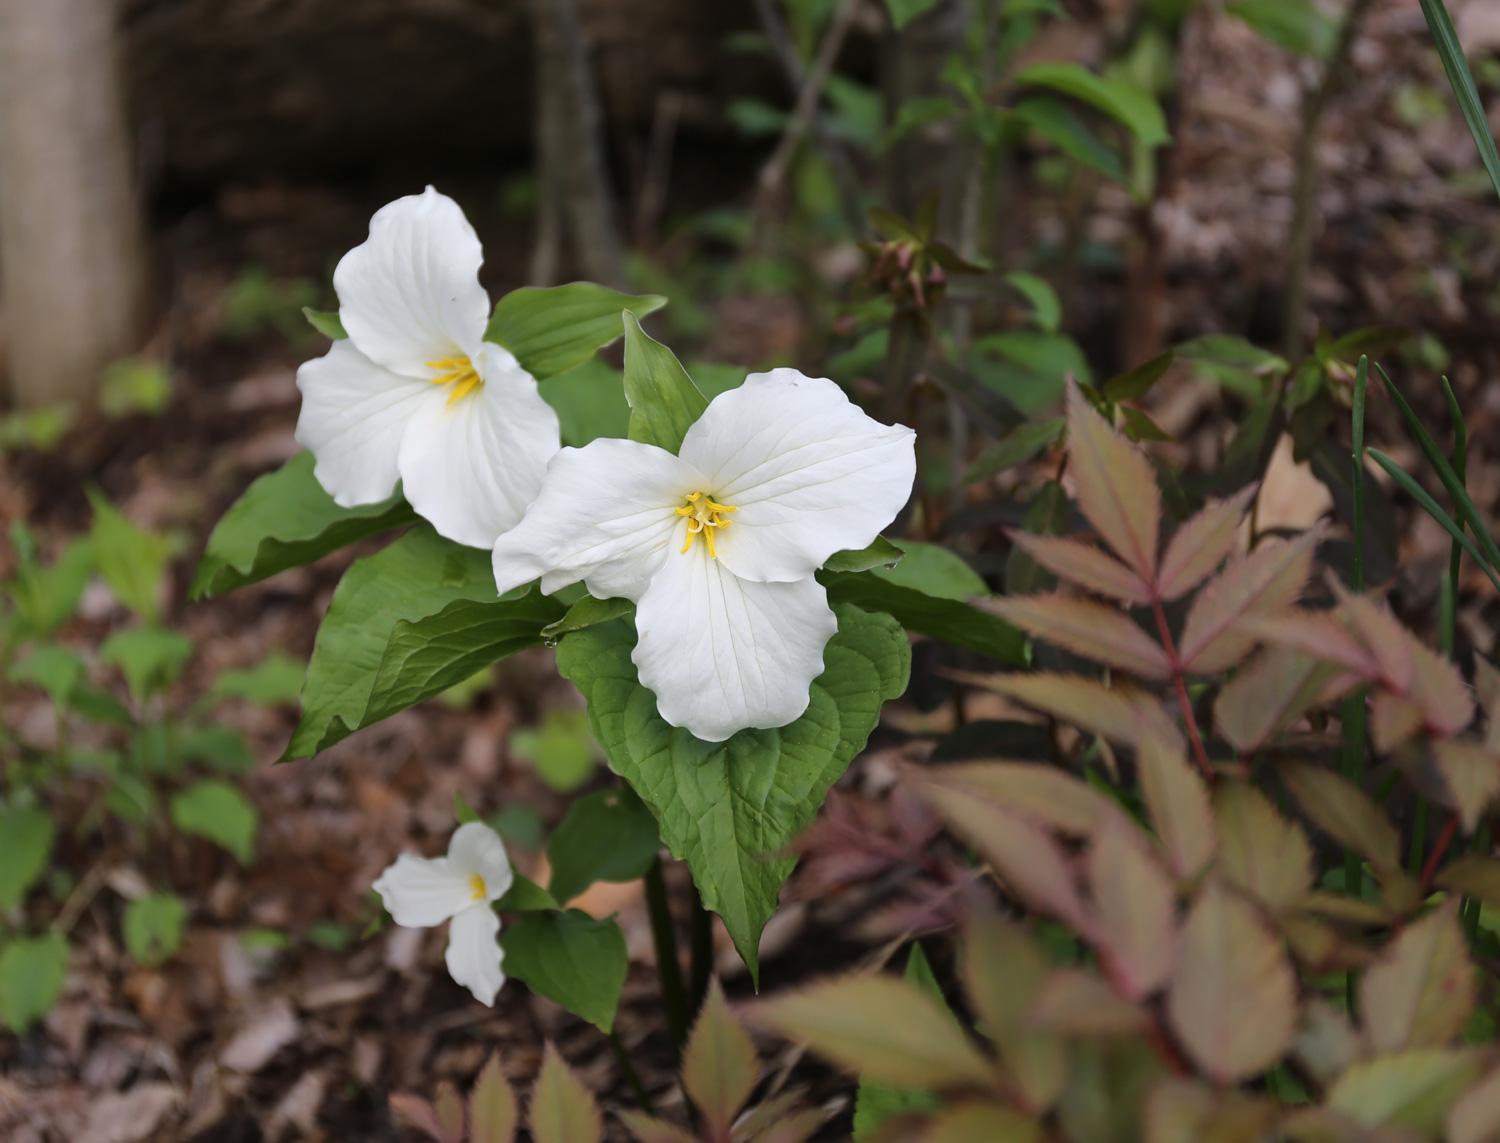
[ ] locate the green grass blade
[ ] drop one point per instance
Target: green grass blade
(1433, 509)
(1451, 52)
(1459, 458)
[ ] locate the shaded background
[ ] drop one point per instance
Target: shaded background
(177, 179)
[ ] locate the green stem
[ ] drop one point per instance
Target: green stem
(632, 1077)
(701, 949)
(1353, 734)
(668, 967)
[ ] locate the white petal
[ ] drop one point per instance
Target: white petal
(722, 653)
(605, 515)
(477, 849)
(354, 414)
(474, 954)
(808, 471)
(422, 891)
(471, 467)
(410, 293)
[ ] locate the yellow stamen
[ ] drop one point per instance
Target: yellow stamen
(704, 516)
(477, 890)
(457, 371)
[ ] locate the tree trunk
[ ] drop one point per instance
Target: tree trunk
(71, 240)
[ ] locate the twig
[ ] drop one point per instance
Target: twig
(1190, 720)
(773, 175)
(1439, 848)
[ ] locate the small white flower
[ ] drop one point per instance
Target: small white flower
(717, 546)
(415, 393)
(462, 887)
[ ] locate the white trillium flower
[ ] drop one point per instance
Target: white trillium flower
(717, 546)
(415, 393)
(461, 888)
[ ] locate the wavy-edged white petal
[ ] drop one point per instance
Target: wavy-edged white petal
(723, 653)
(419, 892)
(476, 850)
(605, 515)
(354, 414)
(474, 954)
(807, 470)
(410, 293)
(471, 467)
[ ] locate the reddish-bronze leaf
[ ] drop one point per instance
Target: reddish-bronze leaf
(972, 1121)
(647, 1129)
(1077, 1002)
(1044, 794)
(1135, 912)
(1316, 634)
(887, 1029)
(1093, 630)
(1440, 691)
(492, 1106)
(1233, 1002)
(1002, 968)
(1084, 565)
(1113, 712)
(1408, 1090)
(449, 1107)
(1184, 1111)
(1421, 990)
(719, 1064)
(1326, 1042)
(1266, 695)
(1202, 544)
(562, 1110)
(1394, 721)
(1477, 877)
(419, 1114)
(1117, 490)
(1471, 772)
(1343, 811)
(1025, 858)
(1259, 850)
(1177, 801)
(1388, 642)
(1475, 1116)
(1266, 581)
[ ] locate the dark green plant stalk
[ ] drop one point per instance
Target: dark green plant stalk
(701, 952)
(1352, 736)
(632, 1077)
(668, 967)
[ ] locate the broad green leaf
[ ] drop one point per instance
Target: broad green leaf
(46, 597)
(1085, 565)
(571, 958)
(150, 659)
(284, 520)
(934, 571)
(719, 1064)
(1136, 383)
(730, 808)
(1045, 305)
(1267, 580)
(552, 329)
(1002, 967)
(875, 1103)
(153, 927)
(1047, 515)
(1451, 52)
(1233, 1001)
(493, 1113)
(1422, 989)
(132, 560)
(326, 322)
(1056, 122)
(32, 970)
(56, 670)
(881, 554)
(606, 836)
(1020, 445)
(948, 620)
(1260, 851)
(1411, 1089)
(27, 832)
(219, 813)
(664, 402)
(526, 896)
(589, 400)
(404, 625)
(275, 679)
(853, 1021)
(1131, 106)
(216, 746)
(1297, 25)
(1225, 351)
(1096, 631)
(904, 12)
(561, 1108)
(1029, 367)
(560, 749)
(587, 612)
(1117, 490)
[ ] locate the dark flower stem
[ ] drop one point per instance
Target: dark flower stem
(668, 967)
(1189, 720)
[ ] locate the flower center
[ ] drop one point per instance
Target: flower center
(477, 889)
(704, 516)
(457, 371)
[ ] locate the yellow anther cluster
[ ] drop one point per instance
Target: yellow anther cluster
(705, 516)
(477, 889)
(457, 371)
